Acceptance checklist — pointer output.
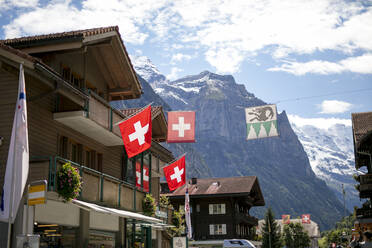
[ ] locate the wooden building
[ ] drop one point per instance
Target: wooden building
(70, 79)
(362, 136)
(220, 207)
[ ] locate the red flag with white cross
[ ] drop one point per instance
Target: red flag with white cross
(175, 174)
(146, 177)
(136, 132)
(181, 127)
(306, 219)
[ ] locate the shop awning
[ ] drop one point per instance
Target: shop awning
(113, 211)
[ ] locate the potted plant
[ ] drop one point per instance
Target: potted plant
(68, 182)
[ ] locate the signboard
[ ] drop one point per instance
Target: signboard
(179, 242)
(161, 214)
(37, 193)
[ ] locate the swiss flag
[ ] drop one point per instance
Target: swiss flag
(181, 127)
(136, 132)
(146, 178)
(175, 174)
(306, 219)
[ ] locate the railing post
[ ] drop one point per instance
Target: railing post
(150, 169)
(87, 104)
(134, 199)
(101, 191)
(119, 197)
(141, 171)
(55, 174)
(81, 176)
(111, 119)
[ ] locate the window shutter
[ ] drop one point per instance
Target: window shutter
(223, 209)
(210, 208)
(211, 229)
(223, 228)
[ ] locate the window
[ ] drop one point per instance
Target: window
(217, 229)
(217, 208)
(198, 208)
(99, 162)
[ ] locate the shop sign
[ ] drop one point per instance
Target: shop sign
(179, 242)
(37, 193)
(161, 214)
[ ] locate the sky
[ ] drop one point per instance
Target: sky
(312, 58)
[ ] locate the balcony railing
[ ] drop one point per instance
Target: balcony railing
(366, 179)
(246, 218)
(364, 213)
(97, 187)
(97, 120)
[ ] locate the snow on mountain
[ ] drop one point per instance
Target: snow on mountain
(329, 146)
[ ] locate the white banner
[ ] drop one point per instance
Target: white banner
(18, 158)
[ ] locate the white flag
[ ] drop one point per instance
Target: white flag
(18, 158)
(187, 214)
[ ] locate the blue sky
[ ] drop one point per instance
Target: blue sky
(279, 49)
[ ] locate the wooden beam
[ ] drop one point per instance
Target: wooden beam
(103, 68)
(117, 91)
(53, 47)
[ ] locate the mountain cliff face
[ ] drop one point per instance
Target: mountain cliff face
(331, 156)
(288, 183)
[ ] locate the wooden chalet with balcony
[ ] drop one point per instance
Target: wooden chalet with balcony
(219, 207)
(71, 78)
(362, 136)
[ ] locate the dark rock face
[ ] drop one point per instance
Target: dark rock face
(288, 183)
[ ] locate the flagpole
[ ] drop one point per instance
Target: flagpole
(11, 198)
(128, 117)
(174, 160)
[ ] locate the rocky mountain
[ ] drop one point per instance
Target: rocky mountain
(288, 183)
(331, 155)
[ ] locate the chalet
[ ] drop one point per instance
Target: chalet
(362, 137)
(71, 78)
(312, 229)
(220, 207)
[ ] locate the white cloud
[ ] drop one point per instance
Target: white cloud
(24, 3)
(174, 73)
(229, 32)
(334, 107)
(323, 123)
(360, 64)
(178, 57)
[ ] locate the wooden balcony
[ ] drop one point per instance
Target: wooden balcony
(363, 213)
(365, 188)
(246, 218)
(97, 187)
(96, 120)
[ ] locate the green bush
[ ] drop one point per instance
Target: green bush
(148, 205)
(68, 182)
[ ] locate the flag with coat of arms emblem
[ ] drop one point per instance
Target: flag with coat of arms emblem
(181, 127)
(187, 213)
(136, 132)
(261, 122)
(175, 173)
(306, 219)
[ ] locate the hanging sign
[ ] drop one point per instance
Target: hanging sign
(261, 122)
(37, 193)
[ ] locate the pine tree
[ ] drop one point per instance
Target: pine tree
(295, 236)
(270, 231)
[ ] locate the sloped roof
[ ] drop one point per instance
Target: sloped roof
(57, 36)
(362, 126)
(117, 61)
(312, 229)
(224, 186)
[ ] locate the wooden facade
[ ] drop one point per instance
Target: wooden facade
(220, 207)
(70, 79)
